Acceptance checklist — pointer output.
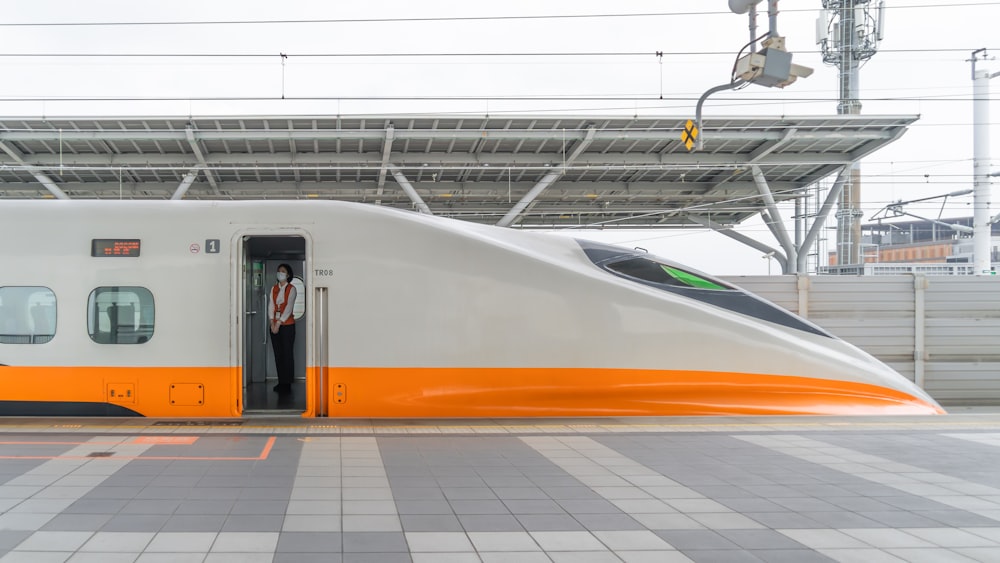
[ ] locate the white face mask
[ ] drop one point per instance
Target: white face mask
(282, 276)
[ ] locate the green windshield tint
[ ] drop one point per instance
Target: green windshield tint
(690, 279)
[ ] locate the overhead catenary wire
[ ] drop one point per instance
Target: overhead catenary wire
(493, 18)
(446, 55)
(743, 100)
(432, 54)
(517, 57)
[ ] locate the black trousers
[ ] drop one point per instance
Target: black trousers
(283, 344)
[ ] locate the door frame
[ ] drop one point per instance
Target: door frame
(238, 344)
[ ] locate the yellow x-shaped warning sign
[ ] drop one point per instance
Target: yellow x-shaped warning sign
(689, 135)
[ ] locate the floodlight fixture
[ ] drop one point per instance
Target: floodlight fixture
(771, 66)
(742, 6)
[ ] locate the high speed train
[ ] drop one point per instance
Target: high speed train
(157, 309)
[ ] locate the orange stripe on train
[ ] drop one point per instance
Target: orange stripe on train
(355, 392)
(550, 392)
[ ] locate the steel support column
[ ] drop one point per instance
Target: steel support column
(34, 171)
(409, 191)
(774, 223)
(729, 232)
(182, 188)
(546, 181)
(823, 215)
(529, 197)
(390, 134)
(189, 135)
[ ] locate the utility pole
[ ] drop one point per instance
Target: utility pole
(771, 66)
(849, 32)
(982, 190)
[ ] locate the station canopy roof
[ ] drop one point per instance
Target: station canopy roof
(523, 171)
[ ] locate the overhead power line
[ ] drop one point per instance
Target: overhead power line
(438, 54)
(446, 18)
(473, 98)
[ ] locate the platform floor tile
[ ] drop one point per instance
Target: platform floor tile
(727, 490)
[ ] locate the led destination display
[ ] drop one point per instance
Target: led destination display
(116, 247)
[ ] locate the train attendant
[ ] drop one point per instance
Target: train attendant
(280, 303)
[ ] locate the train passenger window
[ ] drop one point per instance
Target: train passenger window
(120, 315)
(27, 315)
(651, 271)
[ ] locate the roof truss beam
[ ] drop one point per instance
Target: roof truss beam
(415, 160)
(193, 142)
(728, 231)
(34, 171)
(499, 190)
(546, 181)
(480, 135)
(386, 151)
(769, 147)
(185, 184)
(586, 170)
(407, 187)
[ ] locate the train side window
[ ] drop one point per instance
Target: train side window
(120, 315)
(27, 315)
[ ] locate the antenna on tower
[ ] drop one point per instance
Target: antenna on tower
(865, 17)
(848, 33)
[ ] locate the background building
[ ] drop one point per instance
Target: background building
(927, 246)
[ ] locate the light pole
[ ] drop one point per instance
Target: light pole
(770, 66)
(981, 220)
(768, 257)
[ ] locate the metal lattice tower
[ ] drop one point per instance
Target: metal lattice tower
(849, 31)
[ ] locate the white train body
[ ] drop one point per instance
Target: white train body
(405, 315)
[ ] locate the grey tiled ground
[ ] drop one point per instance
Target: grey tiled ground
(901, 492)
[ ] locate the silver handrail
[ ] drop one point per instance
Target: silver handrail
(322, 342)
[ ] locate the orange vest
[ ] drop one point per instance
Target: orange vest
(279, 309)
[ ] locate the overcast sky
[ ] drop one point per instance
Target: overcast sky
(921, 69)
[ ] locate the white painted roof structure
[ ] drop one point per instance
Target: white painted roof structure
(524, 171)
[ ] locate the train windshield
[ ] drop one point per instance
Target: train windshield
(649, 270)
(672, 278)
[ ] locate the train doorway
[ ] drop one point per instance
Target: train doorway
(262, 254)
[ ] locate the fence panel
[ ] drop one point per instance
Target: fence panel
(944, 330)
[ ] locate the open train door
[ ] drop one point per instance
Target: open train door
(261, 254)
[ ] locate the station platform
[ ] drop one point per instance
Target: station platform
(775, 489)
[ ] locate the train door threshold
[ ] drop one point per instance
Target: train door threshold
(281, 413)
